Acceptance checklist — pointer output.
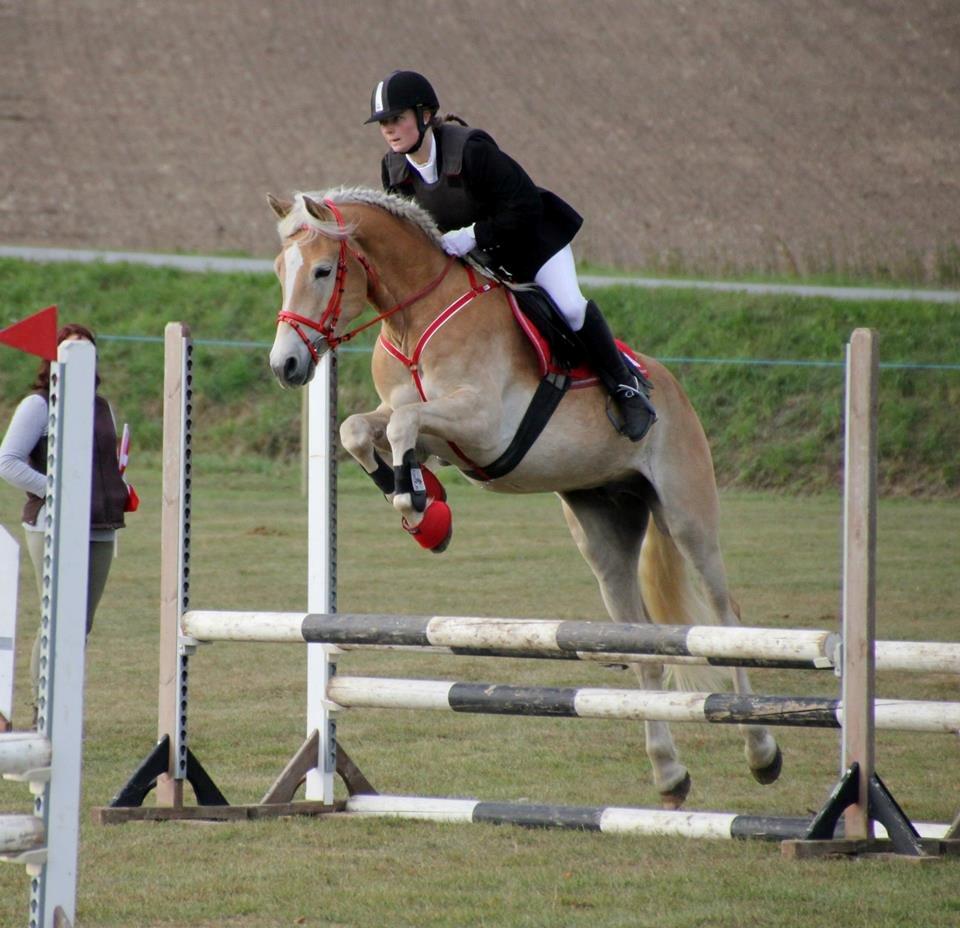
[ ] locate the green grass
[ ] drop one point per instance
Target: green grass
(510, 556)
(771, 427)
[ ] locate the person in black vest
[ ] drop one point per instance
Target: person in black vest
(486, 205)
(23, 464)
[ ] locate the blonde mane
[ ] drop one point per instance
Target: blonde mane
(401, 207)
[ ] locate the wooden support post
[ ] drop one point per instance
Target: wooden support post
(860, 796)
(175, 553)
(859, 575)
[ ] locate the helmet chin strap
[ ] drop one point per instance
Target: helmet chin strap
(421, 132)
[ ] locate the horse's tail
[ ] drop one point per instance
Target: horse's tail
(674, 595)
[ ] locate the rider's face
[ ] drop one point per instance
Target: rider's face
(401, 132)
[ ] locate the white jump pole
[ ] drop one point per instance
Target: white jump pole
(51, 761)
(9, 580)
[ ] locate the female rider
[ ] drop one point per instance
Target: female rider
(483, 201)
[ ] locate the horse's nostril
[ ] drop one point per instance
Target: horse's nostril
(289, 368)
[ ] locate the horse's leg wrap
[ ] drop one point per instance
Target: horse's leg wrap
(383, 476)
(408, 478)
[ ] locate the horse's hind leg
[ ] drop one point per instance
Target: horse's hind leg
(608, 530)
(694, 531)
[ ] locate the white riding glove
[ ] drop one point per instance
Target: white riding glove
(459, 241)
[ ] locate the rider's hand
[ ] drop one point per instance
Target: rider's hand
(459, 241)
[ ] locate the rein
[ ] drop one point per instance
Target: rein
(327, 323)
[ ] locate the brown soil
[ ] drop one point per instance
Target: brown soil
(744, 134)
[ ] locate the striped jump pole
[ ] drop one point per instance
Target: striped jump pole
(606, 642)
(606, 819)
(50, 759)
(637, 705)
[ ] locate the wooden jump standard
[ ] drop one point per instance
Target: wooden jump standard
(860, 796)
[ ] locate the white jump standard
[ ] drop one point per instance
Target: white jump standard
(49, 760)
(328, 634)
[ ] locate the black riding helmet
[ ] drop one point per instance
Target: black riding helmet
(399, 91)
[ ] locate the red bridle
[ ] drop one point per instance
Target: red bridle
(327, 323)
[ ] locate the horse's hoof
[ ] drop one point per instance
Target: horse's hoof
(771, 772)
(434, 530)
(440, 548)
(672, 799)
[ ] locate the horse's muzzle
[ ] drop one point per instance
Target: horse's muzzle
(293, 370)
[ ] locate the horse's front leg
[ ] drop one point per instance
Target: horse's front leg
(460, 417)
(362, 434)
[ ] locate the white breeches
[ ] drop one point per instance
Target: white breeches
(559, 278)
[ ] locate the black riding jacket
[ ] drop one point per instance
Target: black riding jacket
(518, 225)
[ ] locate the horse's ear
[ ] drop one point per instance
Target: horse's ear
(314, 208)
(280, 207)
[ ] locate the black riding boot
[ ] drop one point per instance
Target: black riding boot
(605, 357)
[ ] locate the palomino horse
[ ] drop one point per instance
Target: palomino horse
(455, 375)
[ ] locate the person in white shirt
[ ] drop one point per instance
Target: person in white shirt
(23, 454)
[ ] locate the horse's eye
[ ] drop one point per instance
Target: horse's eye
(320, 272)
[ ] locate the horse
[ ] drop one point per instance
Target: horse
(455, 374)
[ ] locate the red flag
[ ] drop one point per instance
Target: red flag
(37, 334)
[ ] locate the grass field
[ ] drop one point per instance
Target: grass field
(508, 557)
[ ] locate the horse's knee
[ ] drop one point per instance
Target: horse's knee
(356, 436)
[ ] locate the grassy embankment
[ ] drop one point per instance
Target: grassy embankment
(772, 427)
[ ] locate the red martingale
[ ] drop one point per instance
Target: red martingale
(327, 323)
(413, 362)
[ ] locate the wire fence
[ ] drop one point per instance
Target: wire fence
(203, 264)
(743, 362)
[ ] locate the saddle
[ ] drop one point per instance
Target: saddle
(560, 357)
(562, 346)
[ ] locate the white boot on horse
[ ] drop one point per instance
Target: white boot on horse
(457, 376)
